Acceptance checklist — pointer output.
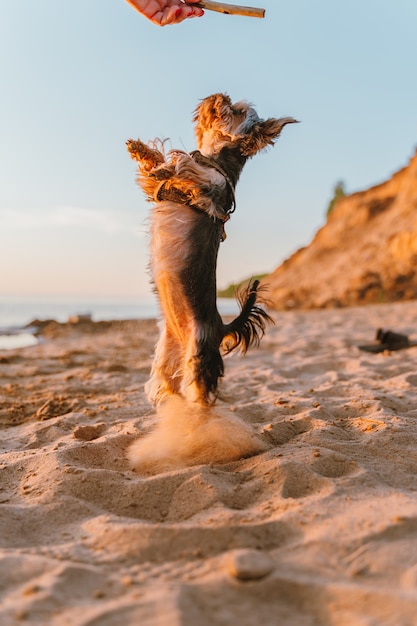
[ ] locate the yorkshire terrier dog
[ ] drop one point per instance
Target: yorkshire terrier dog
(193, 196)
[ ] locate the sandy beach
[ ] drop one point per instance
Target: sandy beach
(318, 530)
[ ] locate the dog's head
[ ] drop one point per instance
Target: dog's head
(220, 123)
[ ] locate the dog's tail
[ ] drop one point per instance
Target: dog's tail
(248, 328)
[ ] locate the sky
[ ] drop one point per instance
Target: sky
(79, 78)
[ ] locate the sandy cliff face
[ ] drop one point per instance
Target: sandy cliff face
(366, 252)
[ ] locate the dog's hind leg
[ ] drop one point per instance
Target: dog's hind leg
(166, 370)
(203, 365)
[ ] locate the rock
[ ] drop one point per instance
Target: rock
(248, 564)
(84, 318)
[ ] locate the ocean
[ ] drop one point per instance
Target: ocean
(16, 313)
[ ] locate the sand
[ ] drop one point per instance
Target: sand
(319, 529)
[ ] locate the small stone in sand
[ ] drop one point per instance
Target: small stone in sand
(248, 564)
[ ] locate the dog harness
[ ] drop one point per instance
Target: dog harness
(208, 162)
(176, 195)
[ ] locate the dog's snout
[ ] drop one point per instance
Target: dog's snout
(251, 118)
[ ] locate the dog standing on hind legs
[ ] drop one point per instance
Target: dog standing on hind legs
(193, 196)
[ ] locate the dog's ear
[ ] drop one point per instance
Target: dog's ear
(213, 108)
(263, 134)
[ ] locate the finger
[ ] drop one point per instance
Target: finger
(177, 14)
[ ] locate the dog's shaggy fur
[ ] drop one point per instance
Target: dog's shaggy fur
(193, 196)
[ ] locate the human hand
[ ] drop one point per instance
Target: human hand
(164, 12)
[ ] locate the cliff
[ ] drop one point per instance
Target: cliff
(366, 252)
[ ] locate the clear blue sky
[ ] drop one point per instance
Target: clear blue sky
(78, 78)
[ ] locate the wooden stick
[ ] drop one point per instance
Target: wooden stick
(229, 9)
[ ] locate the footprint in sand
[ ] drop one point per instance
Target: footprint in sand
(333, 465)
(285, 431)
(299, 481)
(161, 543)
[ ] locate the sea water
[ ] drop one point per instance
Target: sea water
(17, 312)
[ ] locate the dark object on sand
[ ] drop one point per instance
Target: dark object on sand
(388, 340)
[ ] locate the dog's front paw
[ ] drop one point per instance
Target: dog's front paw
(137, 149)
(148, 158)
